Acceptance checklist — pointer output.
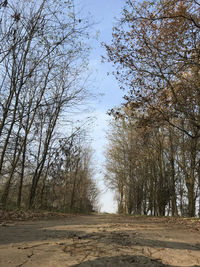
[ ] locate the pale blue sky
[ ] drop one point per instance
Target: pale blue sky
(103, 13)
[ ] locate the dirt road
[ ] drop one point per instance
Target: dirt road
(100, 240)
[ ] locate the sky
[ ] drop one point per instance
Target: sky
(103, 14)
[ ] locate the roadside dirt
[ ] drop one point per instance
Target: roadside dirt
(100, 240)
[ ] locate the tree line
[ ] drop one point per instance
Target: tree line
(153, 154)
(43, 58)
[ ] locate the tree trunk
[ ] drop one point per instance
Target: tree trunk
(191, 198)
(172, 184)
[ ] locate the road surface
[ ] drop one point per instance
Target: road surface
(100, 240)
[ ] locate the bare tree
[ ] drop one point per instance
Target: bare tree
(42, 58)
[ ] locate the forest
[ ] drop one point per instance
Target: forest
(45, 158)
(152, 159)
(51, 177)
(153, 152)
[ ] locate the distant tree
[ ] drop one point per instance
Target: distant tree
(68, 184)
(150, 165)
